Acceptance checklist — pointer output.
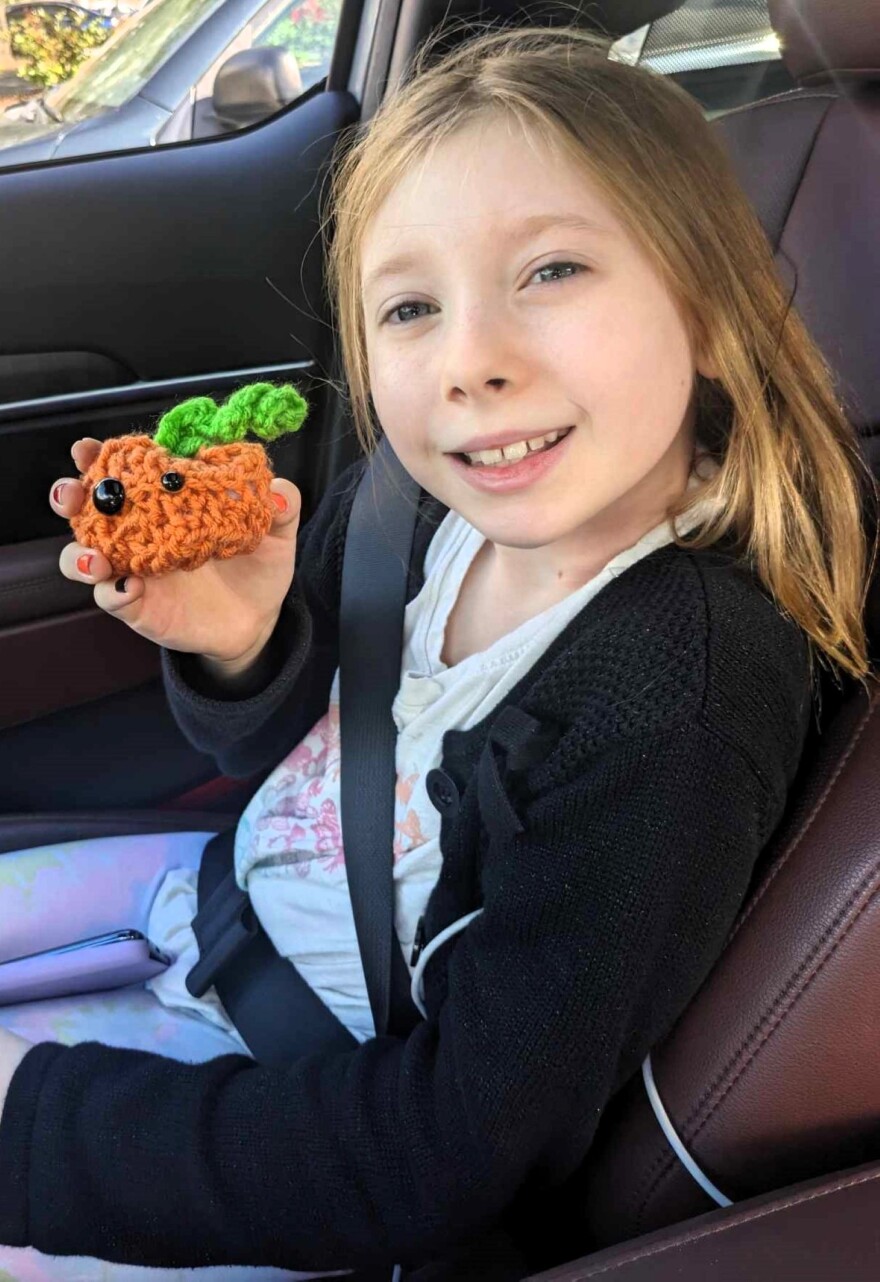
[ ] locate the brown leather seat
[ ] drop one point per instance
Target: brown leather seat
(773, 1073)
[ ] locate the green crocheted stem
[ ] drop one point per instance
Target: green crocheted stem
(261, 408)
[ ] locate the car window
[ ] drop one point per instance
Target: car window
(306, 29)
(724, 52)
(129, 58)
(151, 82)
(303, 28)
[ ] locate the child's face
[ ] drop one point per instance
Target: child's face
(489, 343)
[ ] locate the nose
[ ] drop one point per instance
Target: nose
(480, 359)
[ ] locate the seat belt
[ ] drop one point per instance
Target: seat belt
(276, 1012)
(375, 572)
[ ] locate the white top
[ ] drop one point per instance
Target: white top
(289, 844)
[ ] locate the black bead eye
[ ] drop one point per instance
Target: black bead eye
(108, 496)
(173, 481)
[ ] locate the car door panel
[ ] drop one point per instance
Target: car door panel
(188, 270)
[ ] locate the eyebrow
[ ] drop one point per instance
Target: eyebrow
(525, 229)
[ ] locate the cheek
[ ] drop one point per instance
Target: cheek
(638, 376)
(400, 401)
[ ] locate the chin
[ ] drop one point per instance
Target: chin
(525, 535)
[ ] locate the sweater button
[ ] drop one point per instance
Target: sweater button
(442, 793)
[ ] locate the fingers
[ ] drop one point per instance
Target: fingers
(113, 592)
(83, 565)
(66, 496)
(286, 520)
(85, 452)
(120, 594)
(66, 493)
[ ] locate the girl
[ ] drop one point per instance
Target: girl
(641, 525)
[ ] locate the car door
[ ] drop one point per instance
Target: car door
(130, 282)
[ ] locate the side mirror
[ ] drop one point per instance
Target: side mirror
(254, 84)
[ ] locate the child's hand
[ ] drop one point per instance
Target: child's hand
(225, 610)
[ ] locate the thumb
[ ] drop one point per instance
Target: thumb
(285, 519)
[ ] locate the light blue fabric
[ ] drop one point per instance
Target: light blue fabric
(51, 895)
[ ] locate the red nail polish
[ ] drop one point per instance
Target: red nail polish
(56, 493)
(280, 501)
(83, 562)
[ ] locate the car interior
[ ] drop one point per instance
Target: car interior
(750, 1142)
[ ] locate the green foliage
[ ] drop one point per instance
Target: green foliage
(52, 46)
(308, 31)
(261, 408)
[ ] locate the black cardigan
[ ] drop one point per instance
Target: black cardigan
(606, 816)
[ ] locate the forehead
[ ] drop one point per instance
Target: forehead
(490, 181)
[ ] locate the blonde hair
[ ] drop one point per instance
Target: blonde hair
(791, 486)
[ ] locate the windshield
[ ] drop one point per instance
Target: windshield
(125, 63)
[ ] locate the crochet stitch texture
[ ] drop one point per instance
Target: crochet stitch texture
(222, 510)
(214, 501)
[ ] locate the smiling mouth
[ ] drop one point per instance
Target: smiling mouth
(512, 454)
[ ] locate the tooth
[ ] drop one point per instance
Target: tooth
(513, 453)
(535, 443)
(551, 437)
(490, 456)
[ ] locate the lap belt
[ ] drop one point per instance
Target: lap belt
(276, 1012)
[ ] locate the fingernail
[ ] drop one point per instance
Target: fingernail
(120, 584)
(57, 492)
(280, 501)
(83, 562)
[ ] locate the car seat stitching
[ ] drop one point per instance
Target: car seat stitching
(788, 96)
(789, 997)
(791, 993)
(808, 821)
(665, 1159)
(647, 1253)
(795, 186)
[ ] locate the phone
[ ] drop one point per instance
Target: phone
(85, 966)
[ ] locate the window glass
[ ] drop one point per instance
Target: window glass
(307, 30)
(151, 82)
(129, 58)
(725, 52)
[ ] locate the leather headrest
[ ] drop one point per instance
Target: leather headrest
(828, 39)
(614, 17)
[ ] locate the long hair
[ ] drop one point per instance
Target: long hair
(791, 485)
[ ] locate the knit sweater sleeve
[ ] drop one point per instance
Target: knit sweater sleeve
(600, 920)
(253, 729)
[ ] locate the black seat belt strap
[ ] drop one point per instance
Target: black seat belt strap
(375, 573)
(277, 1013)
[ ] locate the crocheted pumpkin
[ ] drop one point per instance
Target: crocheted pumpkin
(193, 491)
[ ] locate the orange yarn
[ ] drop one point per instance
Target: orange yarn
(223, 510)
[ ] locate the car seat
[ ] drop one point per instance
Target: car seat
(772, 1075)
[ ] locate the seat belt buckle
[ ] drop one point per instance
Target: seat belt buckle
(223, 927)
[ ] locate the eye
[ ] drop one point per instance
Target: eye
(553, 267)
(574, 269)
(401, 307)
(173, 481)
(108, 496)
